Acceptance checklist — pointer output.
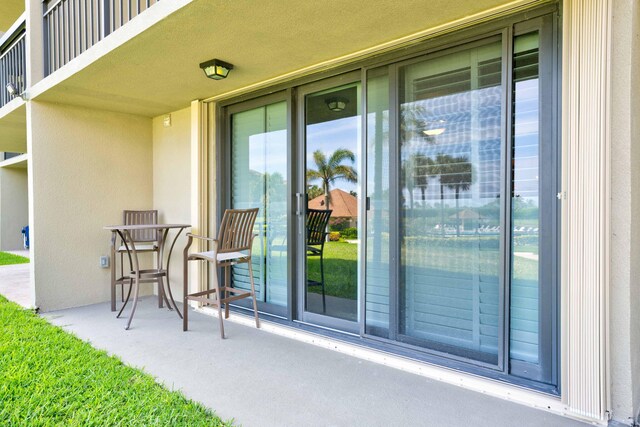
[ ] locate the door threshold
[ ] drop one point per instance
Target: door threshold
(326, 328)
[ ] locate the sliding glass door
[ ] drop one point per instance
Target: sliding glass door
(446, 223)
(450, 202)
(461, 226)
(413, 202)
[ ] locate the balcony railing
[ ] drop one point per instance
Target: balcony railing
(13, 65)
(7, 156)
(73, 26)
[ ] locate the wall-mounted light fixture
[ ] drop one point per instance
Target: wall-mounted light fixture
(336, 104)
(13, 90)
(216, 69)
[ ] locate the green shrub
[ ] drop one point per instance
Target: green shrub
(350, 233)
(338, 224)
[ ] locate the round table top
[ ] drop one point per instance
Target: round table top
(145, 227)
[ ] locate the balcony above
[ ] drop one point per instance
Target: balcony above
(13, 116)
(13, 62)
(10, 11)
(14, 160)
(73, 26)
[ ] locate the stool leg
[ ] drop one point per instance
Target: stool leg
(227, 283)
(219, 297)
(164, 294)
(324, 301)
(136, 286)
(160, 295)
(185, 292)
(128, 295)
(113, 281)
(173, 301)
(122, 275)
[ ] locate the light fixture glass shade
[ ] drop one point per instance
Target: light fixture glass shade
(434, 132)
(337, 104)
(216, 69)
(435, 128)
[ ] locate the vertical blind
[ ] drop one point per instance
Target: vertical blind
(258, 177)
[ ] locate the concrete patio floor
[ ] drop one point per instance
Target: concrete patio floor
(262, 379)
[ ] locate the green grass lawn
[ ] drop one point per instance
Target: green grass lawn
(48, 377)
(340, 270)
(340, 264)
(8, 259)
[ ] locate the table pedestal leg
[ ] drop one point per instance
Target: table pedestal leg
(128, 296)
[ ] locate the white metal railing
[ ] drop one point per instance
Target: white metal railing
(13, 65)
(73, 26)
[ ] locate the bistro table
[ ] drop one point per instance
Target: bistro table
(157, 274)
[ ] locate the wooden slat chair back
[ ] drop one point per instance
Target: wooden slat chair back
(140, 218)
(317, 221)
(232, 247)
(236, 230)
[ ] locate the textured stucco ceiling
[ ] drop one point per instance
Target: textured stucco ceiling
(158, 71)
(13, 131)
(10, 11)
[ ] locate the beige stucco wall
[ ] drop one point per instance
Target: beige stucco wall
(86, 167)
(172, 182)
(635, 233)
(625, 211)
(14, 207)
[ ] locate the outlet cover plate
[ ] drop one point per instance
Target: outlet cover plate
(104, 261)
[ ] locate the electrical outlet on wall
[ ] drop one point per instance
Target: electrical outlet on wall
(104, 261)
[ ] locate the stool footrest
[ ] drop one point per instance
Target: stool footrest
(148, 274)
(204, 300)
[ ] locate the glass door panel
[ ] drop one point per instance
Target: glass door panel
(525, 224)
(533, 213)
(450, 202)
(259, 179)
(377, 272)
(332, 132)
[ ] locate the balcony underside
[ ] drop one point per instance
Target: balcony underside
(13, 127)
(157, 71)
(10, 11)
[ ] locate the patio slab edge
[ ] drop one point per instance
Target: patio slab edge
(475, 383)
